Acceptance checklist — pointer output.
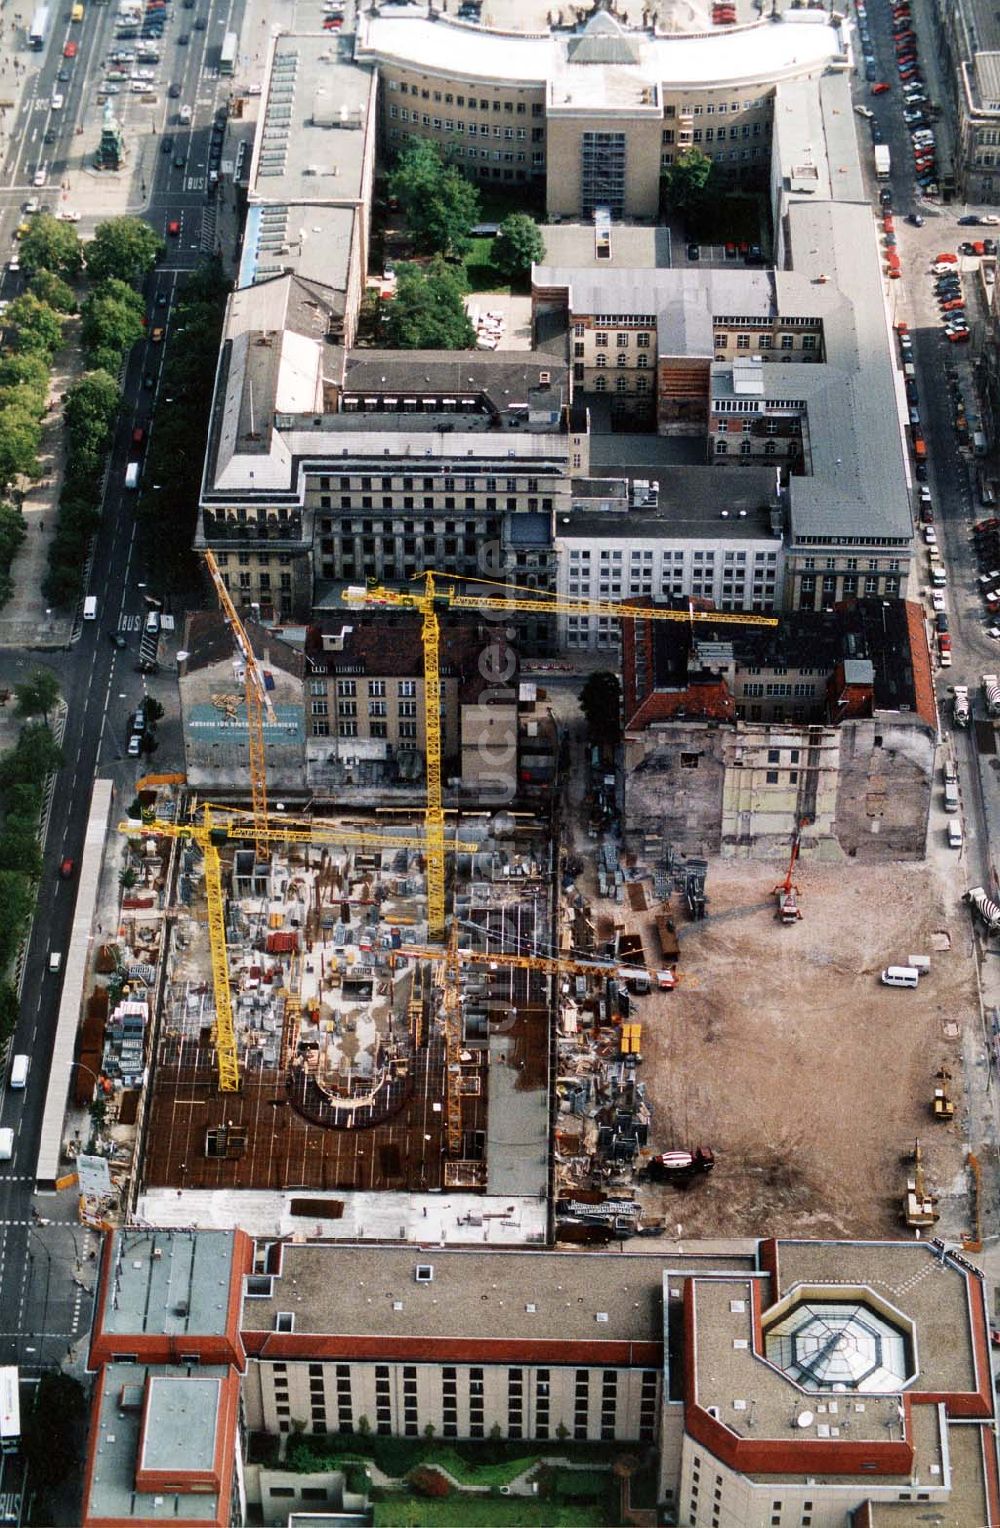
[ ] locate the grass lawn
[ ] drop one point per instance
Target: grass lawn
(480, 273)
(485, 1512)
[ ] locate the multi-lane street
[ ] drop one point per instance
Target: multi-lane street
(45, 1266)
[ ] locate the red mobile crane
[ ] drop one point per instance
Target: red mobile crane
(786, 892)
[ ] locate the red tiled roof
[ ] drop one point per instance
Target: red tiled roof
(708, 700)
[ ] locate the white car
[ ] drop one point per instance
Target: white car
(938, 601)
(994, 632)
(930, 535)
(925, 494)
(58, 102)
(40, 177)
(67, 215)
(945, 267)
(862, 111)
(991, 219)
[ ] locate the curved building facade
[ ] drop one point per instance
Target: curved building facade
(610, 105)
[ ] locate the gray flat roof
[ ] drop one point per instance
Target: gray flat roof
(182, 1417)
(633, 246)
(116, 1453)
(355, 1291)
(169, 1281)
(310, 144)
(690, 501)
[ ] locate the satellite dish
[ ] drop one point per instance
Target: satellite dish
(804, 1419)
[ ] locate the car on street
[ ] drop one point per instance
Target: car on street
(880, 87)
(157, 335)
(117, 640)
(49, 135)
(66, 868)
(64, 76)
(138, 435)
(915, 219)
(40, 177)
(149, 380)
(173, 228)
(956, 337)
(68, 215)
(937, 600)
(167, 145)
(200, 23)
(970, 220)
(920, 472)
(694, 251)
(174, 91)
(70, 50)
(179, 161)
(930, 535)
(183, 40)
(161, 299)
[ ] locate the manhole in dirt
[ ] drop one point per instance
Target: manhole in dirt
(940, 940)
(950, 1030)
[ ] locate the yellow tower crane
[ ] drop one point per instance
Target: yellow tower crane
(434, 598)
(217, 828)
(257, 702)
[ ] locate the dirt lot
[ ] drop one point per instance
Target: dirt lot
(785, 1053)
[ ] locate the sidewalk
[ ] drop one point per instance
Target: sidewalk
(26, 621)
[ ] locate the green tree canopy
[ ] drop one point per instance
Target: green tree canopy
(38, 694)
(686, 182)
(52, 289)
(123, 247)
(25, 371)
(112, 323)
(50, 245)
(20, 434)
(518, 246)
(36, 328)
(427, 312)
(90, 408)
(600, 701)
(440, 204)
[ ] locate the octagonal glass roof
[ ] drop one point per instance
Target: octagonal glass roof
(840, 1345)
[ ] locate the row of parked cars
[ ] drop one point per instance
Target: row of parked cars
(950, 299)
(916, 104)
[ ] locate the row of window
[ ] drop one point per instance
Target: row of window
(771, 447)
(472, 129)
(720, 156)
(609, 554)
(511, 108)
(709, 134)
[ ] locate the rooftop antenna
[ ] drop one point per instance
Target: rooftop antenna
(252, 430)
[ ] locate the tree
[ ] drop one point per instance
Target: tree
(28, 371)
(600, 701)
(123, 247)
(12, 534)
(50, 245)
(112, 323)
(154, 711)
(19, 438)
(53, 290)
(427, 312)
(90, 409)
(38, 694)
(686, 182)
(35, 754)
(440, 204)
(127, 878)
(9, 1007)
(36, 327)
(518, 246)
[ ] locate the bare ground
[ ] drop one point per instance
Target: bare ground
(784, 1052)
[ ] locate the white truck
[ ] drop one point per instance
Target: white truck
(883, 163)
(960, 706)
(991, 689)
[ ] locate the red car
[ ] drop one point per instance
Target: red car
(954, 305)
(70, 50)
(66, 868)
(173, 228)
(880, 87)
(138, 435)
(945, 259)
(957, 336)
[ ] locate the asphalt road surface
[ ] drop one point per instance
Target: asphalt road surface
(45, 1268)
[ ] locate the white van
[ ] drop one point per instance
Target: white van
(6, 1144)
(19, 1071)
(57, 102)
(55, 962)
(90, 608)
(951, 797)
(900, 976)
(955, 839)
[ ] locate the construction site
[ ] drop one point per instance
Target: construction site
(503, 1021)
